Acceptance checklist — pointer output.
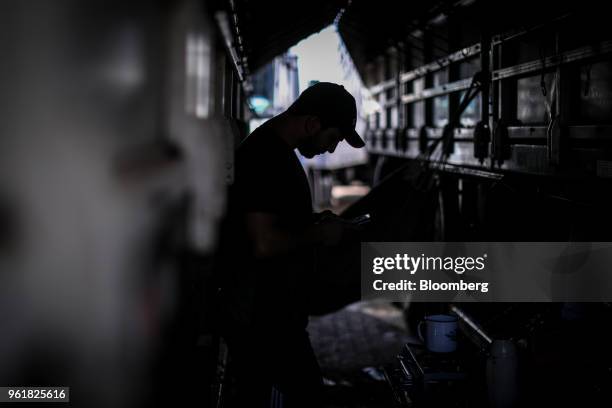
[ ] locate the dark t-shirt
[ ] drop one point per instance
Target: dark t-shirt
(266, 293)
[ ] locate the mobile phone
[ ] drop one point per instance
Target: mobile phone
(361, 219)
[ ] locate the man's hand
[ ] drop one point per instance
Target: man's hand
(335, 229)
(269, 238)
(331, 231)
(322, 216)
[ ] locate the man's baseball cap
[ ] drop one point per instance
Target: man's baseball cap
(333, 105)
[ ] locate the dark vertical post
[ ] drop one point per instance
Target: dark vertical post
(486, 99)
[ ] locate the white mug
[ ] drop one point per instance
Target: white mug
(440, 333)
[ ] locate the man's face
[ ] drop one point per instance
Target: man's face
(320, 142)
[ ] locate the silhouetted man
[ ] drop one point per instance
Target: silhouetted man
(268, 246)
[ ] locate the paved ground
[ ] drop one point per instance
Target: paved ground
(351, 346)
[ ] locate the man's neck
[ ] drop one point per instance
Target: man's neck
(288, 128)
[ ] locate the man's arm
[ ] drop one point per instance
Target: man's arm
(270, 238)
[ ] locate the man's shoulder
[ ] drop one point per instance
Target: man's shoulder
(263, 138)
(264, 147)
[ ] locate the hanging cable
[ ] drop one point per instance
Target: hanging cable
(470, 94)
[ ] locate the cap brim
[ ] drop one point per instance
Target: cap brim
(353, 138)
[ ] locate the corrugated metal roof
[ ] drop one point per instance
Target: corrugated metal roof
(270, 27)
(369, 27)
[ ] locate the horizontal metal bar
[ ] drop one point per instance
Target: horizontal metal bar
(441, 63)
(524, 159)
(517, 33)
(390, 132)
(412, 133)
(434, 132)
(461, 134)
(527, 132)
(390, 103)
(554, 61)
(602, 132)
(383, 86)
(463, 156)
(590, 132)
(437, 65)
(445, 89)
(463, 170)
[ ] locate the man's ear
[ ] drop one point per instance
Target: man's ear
(312, 125)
